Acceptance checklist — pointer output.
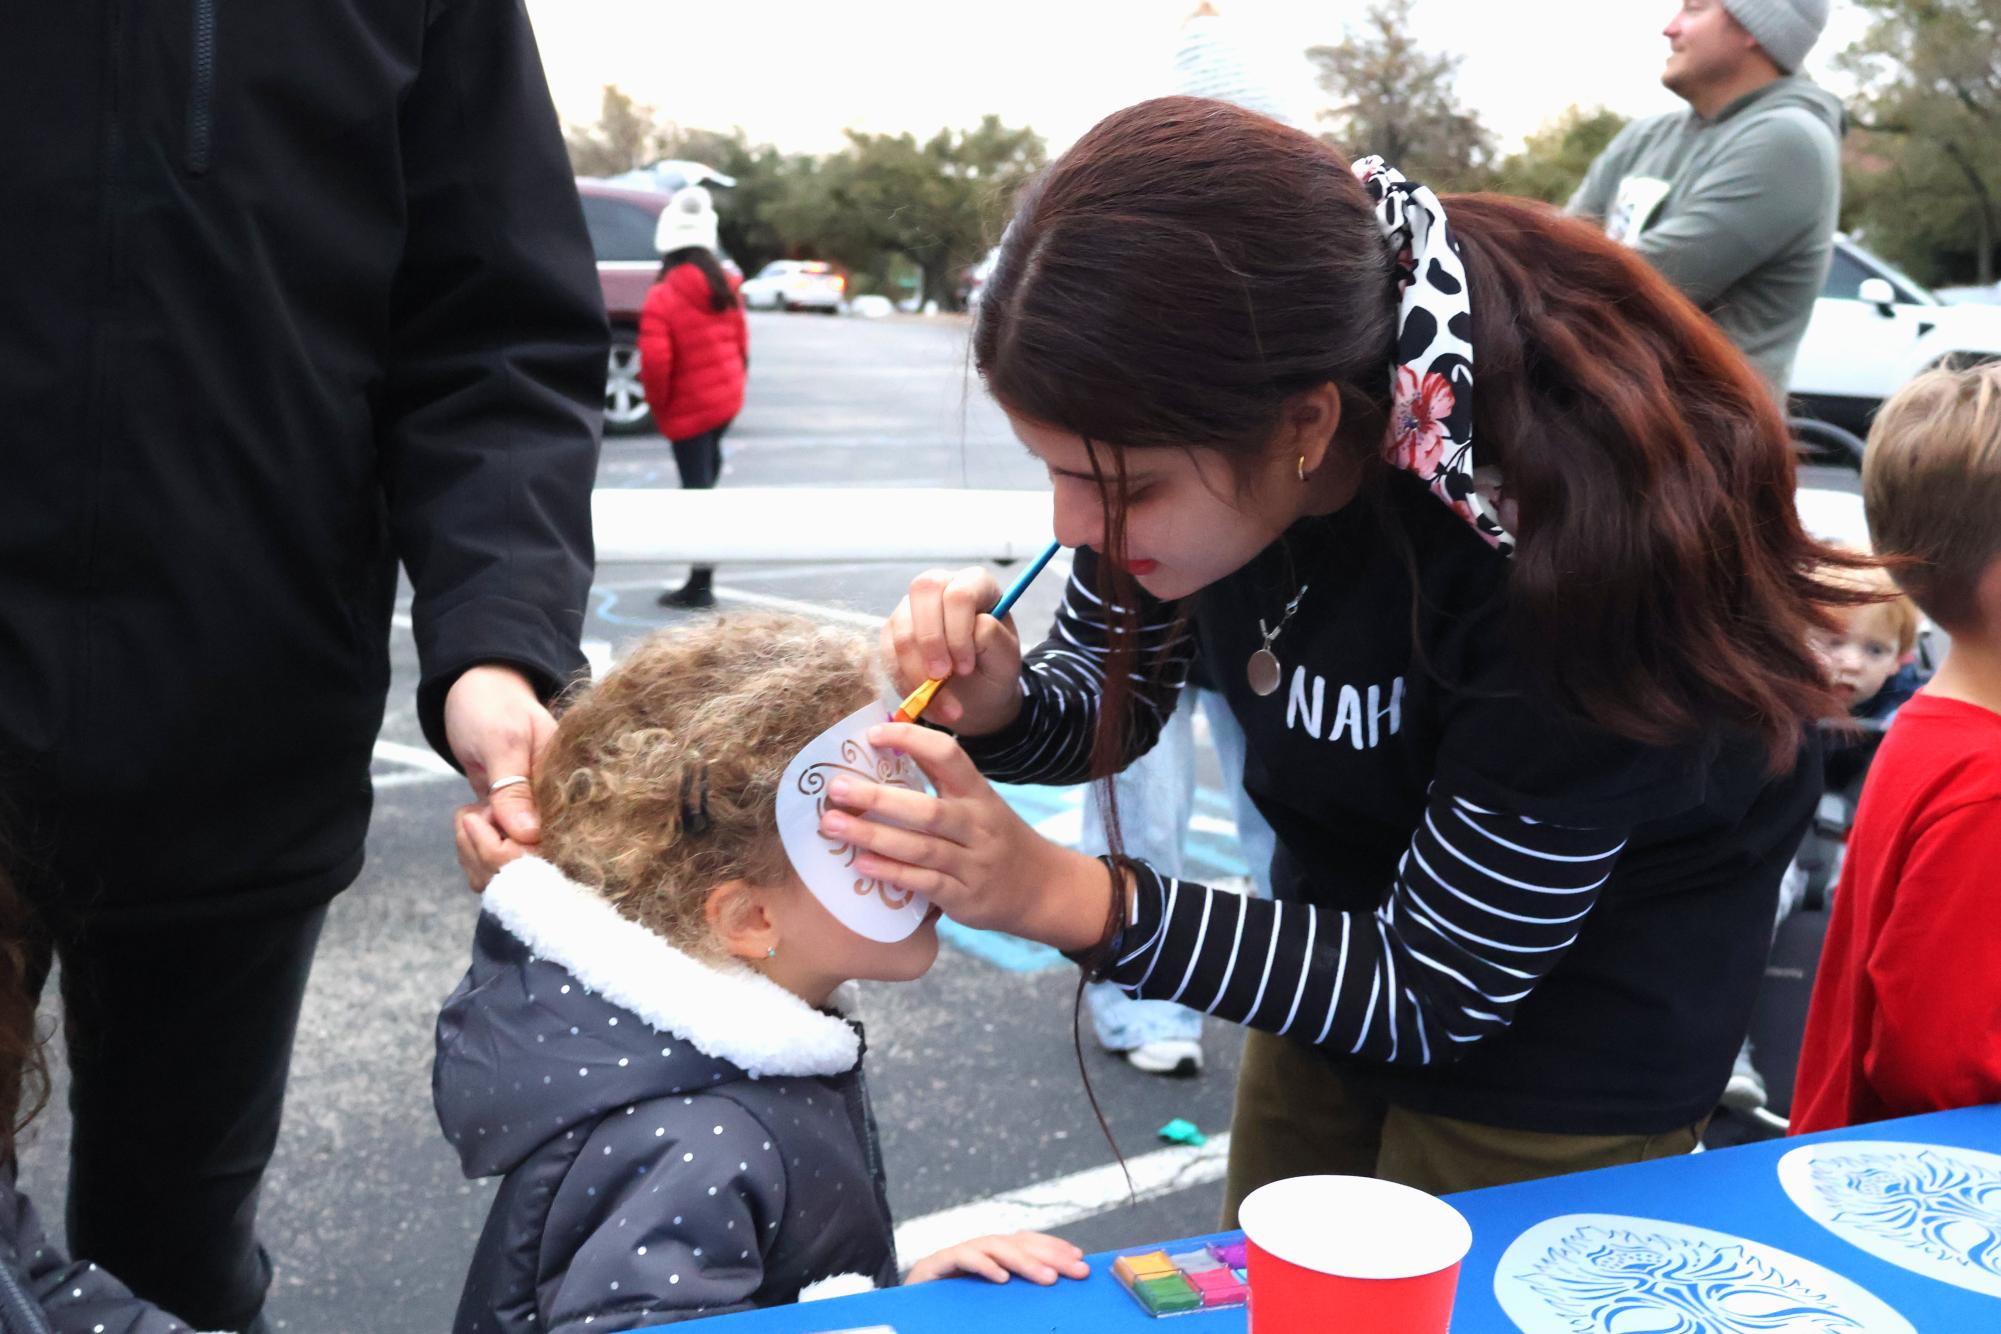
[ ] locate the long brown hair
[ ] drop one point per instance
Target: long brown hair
(721, 295)
(1190, 266)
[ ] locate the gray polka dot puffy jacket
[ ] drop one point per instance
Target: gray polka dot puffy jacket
(675, 1139)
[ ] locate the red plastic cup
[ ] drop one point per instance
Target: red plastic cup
(1352, 1254)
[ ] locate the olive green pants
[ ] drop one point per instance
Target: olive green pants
(1296, 1116)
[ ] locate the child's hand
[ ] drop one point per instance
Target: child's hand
(965, 849)
(1036, 1256)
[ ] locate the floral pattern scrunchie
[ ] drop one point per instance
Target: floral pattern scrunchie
(1431, 416)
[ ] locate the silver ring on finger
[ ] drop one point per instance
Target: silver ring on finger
(508, 781)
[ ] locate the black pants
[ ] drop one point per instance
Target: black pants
(699, 459)
(180, 1041)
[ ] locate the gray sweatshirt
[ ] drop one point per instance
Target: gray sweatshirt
(1738, 212)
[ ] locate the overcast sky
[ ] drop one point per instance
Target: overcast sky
(1059, 65)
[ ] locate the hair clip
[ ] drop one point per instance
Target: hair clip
(694, 805)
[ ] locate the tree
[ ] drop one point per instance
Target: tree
(627, 135)
(1396, 100)
(938, 204)
(882, 202)
(1924, 171)
(1553, 160)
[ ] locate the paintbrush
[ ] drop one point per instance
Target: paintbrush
(908, 711)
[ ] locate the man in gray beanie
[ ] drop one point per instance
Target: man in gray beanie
(1734, 199)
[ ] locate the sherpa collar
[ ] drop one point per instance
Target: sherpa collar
(726, 1011)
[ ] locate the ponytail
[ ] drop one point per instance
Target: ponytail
(1663, 579)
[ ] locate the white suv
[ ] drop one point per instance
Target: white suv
(1873, 328)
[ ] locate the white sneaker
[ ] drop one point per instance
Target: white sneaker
(1172, 1056)
(1746, 1090)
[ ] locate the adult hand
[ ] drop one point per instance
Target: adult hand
(941, 631)
(1036, 1256)
(965, 849)
(497, 728)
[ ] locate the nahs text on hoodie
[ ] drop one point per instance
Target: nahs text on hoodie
(675, 1139)
(1737, 212)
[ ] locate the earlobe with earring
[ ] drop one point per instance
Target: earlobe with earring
(1302, 467)
(771, 951)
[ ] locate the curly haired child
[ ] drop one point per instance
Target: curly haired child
(648, 1047)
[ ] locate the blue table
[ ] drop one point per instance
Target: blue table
(1734, 1191)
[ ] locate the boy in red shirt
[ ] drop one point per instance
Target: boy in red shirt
(1906, 1012)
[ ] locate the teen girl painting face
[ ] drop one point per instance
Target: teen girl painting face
(1548, 618)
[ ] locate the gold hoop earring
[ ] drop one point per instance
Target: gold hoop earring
(1302, 467)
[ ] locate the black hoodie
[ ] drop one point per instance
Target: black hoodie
(293, 290)
(677, 1139)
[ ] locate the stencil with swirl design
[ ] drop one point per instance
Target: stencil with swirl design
(865, 762)
(1601, 1272)
(1932, 1209)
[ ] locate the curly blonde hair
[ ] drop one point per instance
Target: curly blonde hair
(722, 707)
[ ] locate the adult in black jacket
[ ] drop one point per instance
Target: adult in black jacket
(291, 291)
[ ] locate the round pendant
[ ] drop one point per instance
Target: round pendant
(1263, 671)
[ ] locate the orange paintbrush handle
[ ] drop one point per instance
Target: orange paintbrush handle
(908, 711)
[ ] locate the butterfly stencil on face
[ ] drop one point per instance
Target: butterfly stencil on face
(865, 762)
(868, 906)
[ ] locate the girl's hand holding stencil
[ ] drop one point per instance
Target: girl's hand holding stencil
(965, 849)
(942, 631)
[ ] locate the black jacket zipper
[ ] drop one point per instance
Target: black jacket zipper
(201, 88)
(855, 1093)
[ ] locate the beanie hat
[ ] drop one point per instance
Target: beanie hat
(688, 220)
(1787, 29)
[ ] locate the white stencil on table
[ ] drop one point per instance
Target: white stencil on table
(1582, 1273)
(1929, 1208)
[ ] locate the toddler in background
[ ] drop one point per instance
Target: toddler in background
(651, 1047)
(1871, 658)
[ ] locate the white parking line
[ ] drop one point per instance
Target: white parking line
(406, 778)
(1066, 1199)
(419, 764)
(416, 757)
(815, 609)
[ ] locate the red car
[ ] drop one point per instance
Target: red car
(621, 220)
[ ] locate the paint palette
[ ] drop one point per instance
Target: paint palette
(1185, 1282)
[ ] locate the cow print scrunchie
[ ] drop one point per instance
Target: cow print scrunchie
(1431, 417)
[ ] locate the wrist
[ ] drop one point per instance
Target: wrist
(1076, 903)
(502, 675)
(998, 724)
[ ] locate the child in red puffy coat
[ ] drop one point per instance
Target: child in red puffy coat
(693, 351)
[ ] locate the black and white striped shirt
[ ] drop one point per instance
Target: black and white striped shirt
(1482, 905)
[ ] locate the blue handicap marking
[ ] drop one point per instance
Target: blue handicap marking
(1210, 853)
(999, 948)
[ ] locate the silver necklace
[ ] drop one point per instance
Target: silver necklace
(1263, 669)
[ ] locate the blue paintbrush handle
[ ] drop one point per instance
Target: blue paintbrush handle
(1027, 577)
